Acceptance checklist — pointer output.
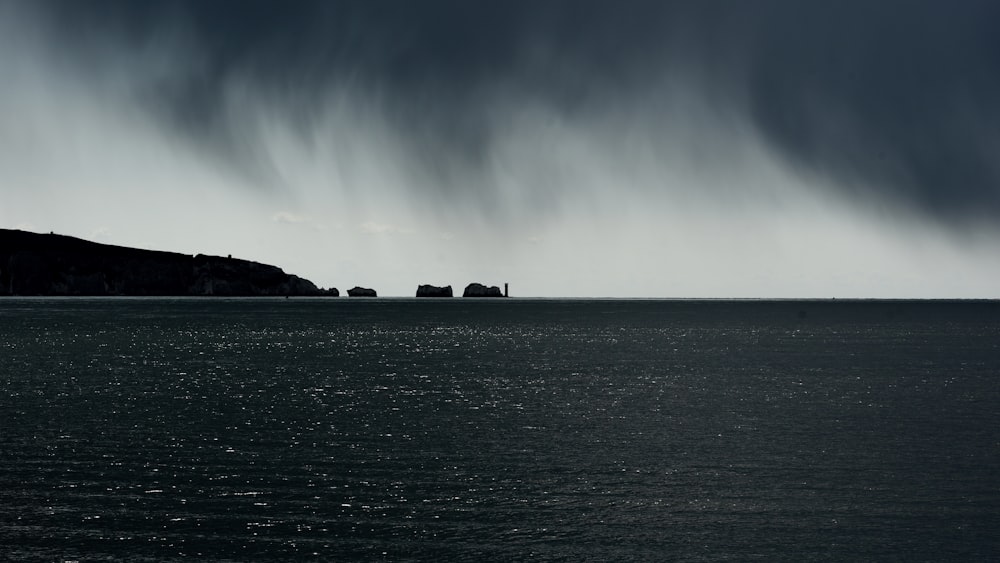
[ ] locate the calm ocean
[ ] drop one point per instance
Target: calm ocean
(499, 430)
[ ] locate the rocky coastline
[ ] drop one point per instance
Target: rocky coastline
(58, 265)
(36, 264)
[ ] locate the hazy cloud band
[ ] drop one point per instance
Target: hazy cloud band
(894, 99)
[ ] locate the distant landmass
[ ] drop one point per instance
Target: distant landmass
(40, 264)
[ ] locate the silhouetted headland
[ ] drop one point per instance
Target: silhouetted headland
(434, 291)
(480, 290)
(361, 292)
(40, 264)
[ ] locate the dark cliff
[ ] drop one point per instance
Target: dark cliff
(361, 292)
(434, 291)
(38, 264)
(480, 290)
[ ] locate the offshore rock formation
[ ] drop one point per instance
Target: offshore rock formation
(480, 290)
(38, 264)
(434, 291)
(361, 292)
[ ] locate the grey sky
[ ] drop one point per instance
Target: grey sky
(571, 148)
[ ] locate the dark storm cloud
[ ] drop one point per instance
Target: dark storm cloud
(902, 96)
(894, 99)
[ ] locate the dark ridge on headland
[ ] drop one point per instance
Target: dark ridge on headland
(40, 264)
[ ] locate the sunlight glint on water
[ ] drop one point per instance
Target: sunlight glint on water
(558, 430)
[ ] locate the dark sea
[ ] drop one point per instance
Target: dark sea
(499, 430)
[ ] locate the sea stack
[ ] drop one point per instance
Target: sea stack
(480, 290)
(434, 291)
(361, 292)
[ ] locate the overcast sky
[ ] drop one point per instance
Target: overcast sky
(570, 148)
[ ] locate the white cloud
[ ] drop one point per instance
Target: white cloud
(102, 234)
(375, 228)
(289, 218)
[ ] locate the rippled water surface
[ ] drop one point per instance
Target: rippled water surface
(154, 429)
